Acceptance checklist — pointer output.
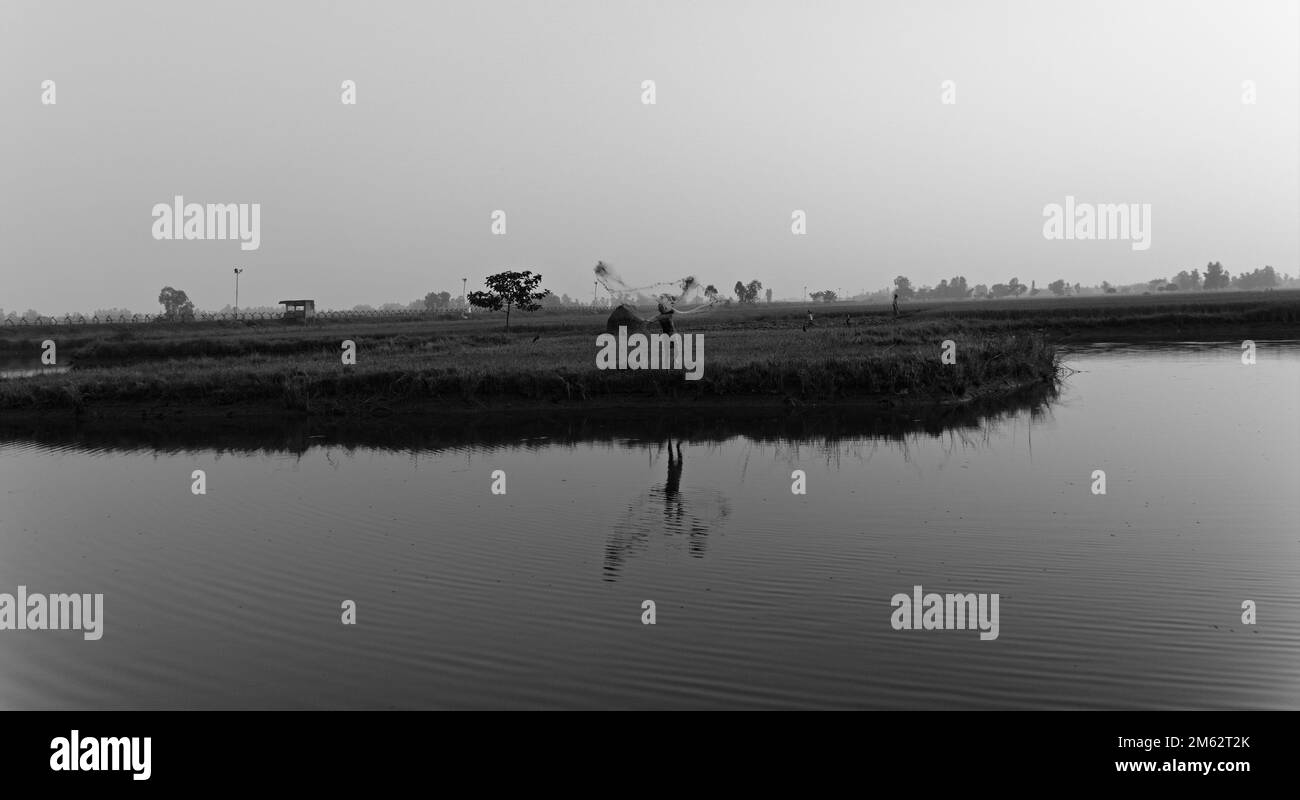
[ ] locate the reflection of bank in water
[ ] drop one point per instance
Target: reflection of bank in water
(10, 369)
(680, 515)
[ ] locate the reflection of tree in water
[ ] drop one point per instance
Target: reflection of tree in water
(668, 509)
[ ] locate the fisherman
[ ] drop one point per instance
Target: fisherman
(666, 311)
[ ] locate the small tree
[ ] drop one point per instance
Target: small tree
(903, 287)
(748, 293)
(434, 300)
(510, 290)
(176, 304)
(1216, 277)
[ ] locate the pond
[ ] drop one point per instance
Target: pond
(763, 597)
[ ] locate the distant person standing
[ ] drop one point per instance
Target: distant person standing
(810, 317)
(895, 305)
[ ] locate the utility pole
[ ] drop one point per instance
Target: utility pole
(594, 284)
(237, 271)
(464, 298)
(805, 292)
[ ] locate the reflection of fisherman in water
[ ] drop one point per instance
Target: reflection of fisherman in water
(673, 488)
(672, 491)
(694, 513)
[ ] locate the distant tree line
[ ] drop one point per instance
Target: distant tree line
(1217, 278)
(176, 304)
(1214, 278)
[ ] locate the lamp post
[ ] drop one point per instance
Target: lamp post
(237, 271)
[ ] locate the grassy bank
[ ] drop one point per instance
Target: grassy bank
(761, 355)
(791, 369)
(1170, 316)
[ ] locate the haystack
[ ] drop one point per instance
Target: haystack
(623, 317)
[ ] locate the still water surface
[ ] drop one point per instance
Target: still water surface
(764, 598)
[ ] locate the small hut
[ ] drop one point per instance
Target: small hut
(298, 310)
(622, 317)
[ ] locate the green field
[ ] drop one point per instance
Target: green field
(763, 354)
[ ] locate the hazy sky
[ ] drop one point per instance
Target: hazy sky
(763, 107)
